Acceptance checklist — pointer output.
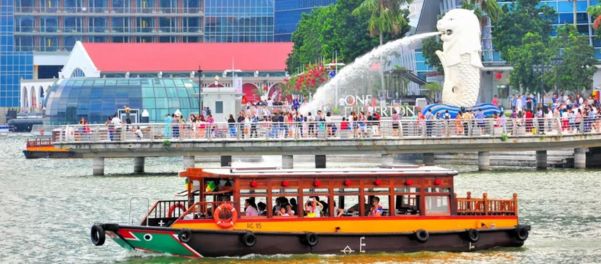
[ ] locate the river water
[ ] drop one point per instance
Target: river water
(48, 206)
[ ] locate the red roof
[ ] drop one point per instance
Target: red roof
(186, 57)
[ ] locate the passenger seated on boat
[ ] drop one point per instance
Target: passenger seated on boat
(376, 209)
(262, 208)
(313, 207)
(354, 210)
(250, 208)
(282, 212)
(289, 210)
(338, 212)
(280, 202)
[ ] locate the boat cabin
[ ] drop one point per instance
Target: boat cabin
(375, 192)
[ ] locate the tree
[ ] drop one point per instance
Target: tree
(429, 48)
(484, 9)
(517, 20)
(433, 89)
(331, 29)
(532, 53)
(595, 13)
(577, 57)
(385, 16)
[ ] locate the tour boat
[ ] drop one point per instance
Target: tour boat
(418, 210)
(42, 148)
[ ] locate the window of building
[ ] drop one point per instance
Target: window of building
(219, 107)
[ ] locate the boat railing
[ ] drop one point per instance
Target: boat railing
(204, 210)
(163, 212)
(38, 142)
(485, 206)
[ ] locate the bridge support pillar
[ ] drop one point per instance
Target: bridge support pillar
(98, 166)
(580, 158)
(188, 162)
(484, 161)
(320, 161)
(139, 165)
(428, 159)
(226, 161)
(541, 159)
(287, 162)
(387, 159)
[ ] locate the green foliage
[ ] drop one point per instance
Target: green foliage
(166, 143)
(484, 9)
(385, 16)
(433, 88)
(504, 137)
(531, 53)
(429, 48)
(332, 29)
(575, 72)
(595, 13)
(518, 19)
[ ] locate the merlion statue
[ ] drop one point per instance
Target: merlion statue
(460, 57)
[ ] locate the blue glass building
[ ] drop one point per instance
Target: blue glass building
(14, 65)
(239, 20)
(288, 13)
(96, 99)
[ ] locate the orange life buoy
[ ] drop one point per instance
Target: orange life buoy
(173, 207)
(225, 215)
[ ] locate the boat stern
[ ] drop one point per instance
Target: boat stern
(144, 238)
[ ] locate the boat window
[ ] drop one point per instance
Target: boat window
(346, 205)
(315, 206)
(285, 205)
(258, 204)
(406, 189)
(315, 191)
(253, 192)
(383, 205)
(346, 191)
(407, 204)
(437, 205)
(438, 189)
(284, 191)
(374, 191)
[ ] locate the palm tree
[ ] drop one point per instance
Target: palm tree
(385, 16)
(484, 9)
(574, 12)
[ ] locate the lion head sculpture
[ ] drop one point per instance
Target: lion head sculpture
(460, 33)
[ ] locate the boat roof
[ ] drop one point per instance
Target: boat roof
(408, 170)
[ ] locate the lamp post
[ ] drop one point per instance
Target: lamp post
(199, 90)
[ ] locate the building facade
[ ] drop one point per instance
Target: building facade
(288, 13)
(37, 35)
(239, 20)
(14, 65)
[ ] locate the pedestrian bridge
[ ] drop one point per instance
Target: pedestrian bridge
(327, 138)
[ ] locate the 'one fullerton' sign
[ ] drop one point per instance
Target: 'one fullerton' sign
(370, 104)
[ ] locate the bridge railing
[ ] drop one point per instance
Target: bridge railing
(276, 131)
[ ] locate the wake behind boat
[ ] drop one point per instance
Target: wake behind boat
(231, 212)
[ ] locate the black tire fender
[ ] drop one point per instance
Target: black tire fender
(311, 239)
(249, 239)
(422, 235)
(522, 232)
(473, 235)
(184, 235)
(97, 235)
